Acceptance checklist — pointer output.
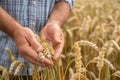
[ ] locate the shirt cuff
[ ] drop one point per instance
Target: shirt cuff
(70, 2)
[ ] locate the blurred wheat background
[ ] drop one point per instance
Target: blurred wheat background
(98, 22)
(92, 44)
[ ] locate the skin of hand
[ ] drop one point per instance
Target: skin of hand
(54, 34)
(29, 47)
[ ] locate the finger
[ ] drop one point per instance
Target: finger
(28, 53)
(30, 37)
(47, 62)
(36, 62)
(34, 58)
(58, 50)
(35, 44)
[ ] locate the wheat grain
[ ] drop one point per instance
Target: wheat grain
(71, 72)
(100, 62)
(116, 45)
(117, 73)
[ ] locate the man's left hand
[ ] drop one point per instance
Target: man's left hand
(54, 34)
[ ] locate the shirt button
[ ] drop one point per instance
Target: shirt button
(33, 24)
(34, 2)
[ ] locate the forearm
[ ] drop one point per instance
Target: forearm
(59, 14)
(8, 24)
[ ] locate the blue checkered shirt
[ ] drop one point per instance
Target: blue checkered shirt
(29, 13)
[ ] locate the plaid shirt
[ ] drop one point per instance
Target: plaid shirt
(29, 13)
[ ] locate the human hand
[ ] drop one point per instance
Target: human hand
(54, 34)
(29, 47)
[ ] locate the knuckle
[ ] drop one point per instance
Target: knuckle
(36, 60)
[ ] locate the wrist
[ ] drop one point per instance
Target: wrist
(8, 24)
(53, 23)
(16, 32)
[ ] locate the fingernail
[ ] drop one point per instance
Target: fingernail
(39, 49)
(52, 63)
(57, 41)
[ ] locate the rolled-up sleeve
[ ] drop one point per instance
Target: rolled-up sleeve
(70, 2)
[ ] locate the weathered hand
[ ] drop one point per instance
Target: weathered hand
(54, 34)
(29, 47)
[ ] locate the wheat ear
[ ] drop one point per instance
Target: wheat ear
(78, 59)
(100, 62)
(13, 64)
(10, 54)
(5, 74)
(48, 50)
(107, 62)
(18, 68)
(88, 43)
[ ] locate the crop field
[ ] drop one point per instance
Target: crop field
(92, 45)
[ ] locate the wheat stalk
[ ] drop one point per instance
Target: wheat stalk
(15, 63)
(100, 62)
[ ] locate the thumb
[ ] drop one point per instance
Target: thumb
(35, 44)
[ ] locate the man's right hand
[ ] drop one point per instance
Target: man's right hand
(29, 47)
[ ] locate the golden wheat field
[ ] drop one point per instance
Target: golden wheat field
(92, 45)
